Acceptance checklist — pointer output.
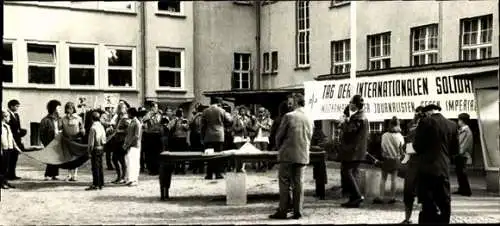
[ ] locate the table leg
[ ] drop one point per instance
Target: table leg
(165, 177)
(320, 179)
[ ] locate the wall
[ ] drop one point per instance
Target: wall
(220, 29)
(41, 23)
(170, 31)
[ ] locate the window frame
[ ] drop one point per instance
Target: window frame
(426, 53)
(82, 66)
(99, 7)
(480, 45)
(56, 65)
(344, 63)
(274, 70)
(13, 63)
(382, 57)
(240, 71)
(182, 52)
(306, 31)
(107, 67)
(337, 3)
(181, 12)
(266, 62)
(132, 7)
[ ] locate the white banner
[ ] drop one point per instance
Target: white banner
(110, 100)
(392, 95)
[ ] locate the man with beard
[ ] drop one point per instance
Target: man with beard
(436, 140)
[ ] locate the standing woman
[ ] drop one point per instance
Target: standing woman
(392, 151)
(73, 129)
(117, 140)
(180, 129)
(263, 127)
(132, 147)
(50, 126)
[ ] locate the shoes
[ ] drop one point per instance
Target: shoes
(278, 216)
(91, 188)
(118, 181)
(406, 222)
(55, 178)
(353, 203)
(132, 183)
(14, 178)
(208, 177)
(468, 194)
(72, 179)
(297, 216)
(47, 178)
(10, 185)
(4, 186)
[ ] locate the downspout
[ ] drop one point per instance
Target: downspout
(440, 31)
(257, 42)
(142, 50)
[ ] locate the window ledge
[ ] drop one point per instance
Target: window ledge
(302, 68)
(338, 5)
(270, 73)
(247, 3)
(71, 7)
(170, 14)
(171, 90)
(71, 88)
(121, 89)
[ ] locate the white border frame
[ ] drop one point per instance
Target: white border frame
(107, 67)
(14, 63)
(165, 12)
(57, 66)
(95, 67)
(182, 70)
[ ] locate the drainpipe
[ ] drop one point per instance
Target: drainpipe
(142, 50)
(440, 33)
(257, 42)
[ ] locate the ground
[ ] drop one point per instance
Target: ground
(197, 201)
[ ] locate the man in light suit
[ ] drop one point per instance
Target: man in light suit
(212, 131)
(293, 141)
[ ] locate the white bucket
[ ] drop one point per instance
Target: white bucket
(236, 189)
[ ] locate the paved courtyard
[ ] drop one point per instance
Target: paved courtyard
(197, 201)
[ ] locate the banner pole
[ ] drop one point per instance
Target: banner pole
(353, 50)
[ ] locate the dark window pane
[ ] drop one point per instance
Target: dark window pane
(7, 52)
(245, 84)
(274, 60)
(84, 56)
(119, 77)
(81, 76)
(170, 59)
(169, 5)
(246, 65)
(119, 57)
(236, 61)
(41, 53)
(7, 73)
(235, 80)
(41, 75)
(170, 78)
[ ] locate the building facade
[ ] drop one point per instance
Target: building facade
(174, 52)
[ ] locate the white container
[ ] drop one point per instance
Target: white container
(372, 183)
(236, 189)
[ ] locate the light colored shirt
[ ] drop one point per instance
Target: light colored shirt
(97, 136)
(392, 145)
(8, 142)
(72, 125)
(466, 141)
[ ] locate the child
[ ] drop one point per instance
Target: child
(96, 142)
(9, 146)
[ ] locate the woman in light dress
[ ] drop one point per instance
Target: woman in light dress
(73, 129)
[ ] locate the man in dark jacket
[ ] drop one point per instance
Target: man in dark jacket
(436, 139)
(49, 127)
(355, 132)
(17, 133)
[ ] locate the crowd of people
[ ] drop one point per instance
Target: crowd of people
(131, 139)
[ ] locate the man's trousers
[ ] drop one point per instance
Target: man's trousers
(291, 179)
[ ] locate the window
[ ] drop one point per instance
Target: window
(7, 62)
(424, 41)
(274, 61)
(266, 62)
(303, 31)
(120, 67)
(476, 38)
(241, 71)
(376, 127)
(82, 66)
(41, 63)
(169, 6)
(339, 2)
(341, 56)
(379, 47)
(170, 68)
